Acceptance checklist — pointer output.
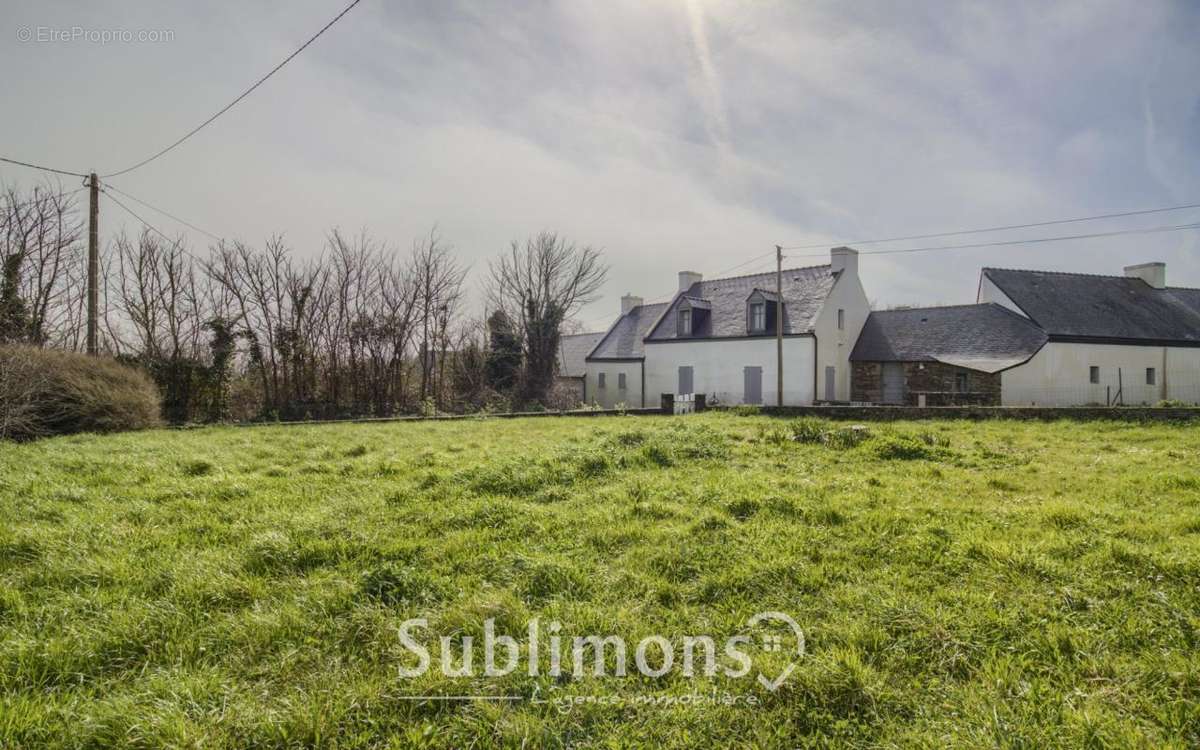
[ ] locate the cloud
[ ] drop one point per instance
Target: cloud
(672, 134)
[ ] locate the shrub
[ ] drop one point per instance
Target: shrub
(903, 448)
(846, 437)
(807, 430)
(746, 410)
(1171, 403)
(45, 392)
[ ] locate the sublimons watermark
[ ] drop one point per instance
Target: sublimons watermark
(592, 655)
(69, 34)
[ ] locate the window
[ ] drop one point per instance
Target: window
(685, 322)
(841, 319)
(621, 381)
(961, 382)
(758, 316)
(1150, 376)
(1094, 374)
(600, 380)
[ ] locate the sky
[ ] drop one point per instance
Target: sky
(670, 134)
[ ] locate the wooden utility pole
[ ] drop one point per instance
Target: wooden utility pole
(93, 293)
(779, 323)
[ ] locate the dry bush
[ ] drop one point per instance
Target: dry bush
(45, 392)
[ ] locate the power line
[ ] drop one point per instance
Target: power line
(39, 166)
(1000, 229)
(242, 96)
(164, 213)
(1031, 241)
(176, 242)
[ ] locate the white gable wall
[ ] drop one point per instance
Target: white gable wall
(718, 368)
(833, 344)
(612, 395)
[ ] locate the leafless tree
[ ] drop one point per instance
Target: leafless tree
(541, 284)
(438, 278)
(40, 255)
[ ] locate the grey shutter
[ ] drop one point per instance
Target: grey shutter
(685, 380)
(753, 394)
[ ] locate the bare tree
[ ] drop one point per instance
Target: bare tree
(39, 250)
(439, 279)
(542, 284)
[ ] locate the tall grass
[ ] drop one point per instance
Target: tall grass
(960, 584)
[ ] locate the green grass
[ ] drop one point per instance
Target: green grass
(999, 584)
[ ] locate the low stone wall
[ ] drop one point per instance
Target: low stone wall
(453, 417)
(889, 413)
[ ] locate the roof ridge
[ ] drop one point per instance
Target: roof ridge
(765, 273)
(935, 307)
(1064, 273)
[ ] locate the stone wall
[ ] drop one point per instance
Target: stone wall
(1048, 413)
(935, 380)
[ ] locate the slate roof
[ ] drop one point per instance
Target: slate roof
(624, 339)
(1189, 297)
(985, 337)
(804, 291)
(573, 350)
(1103, 307)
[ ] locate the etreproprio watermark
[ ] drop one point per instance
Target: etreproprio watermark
(545, 650)
(90, 35)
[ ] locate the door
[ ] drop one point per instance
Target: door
(830, 384)
(685, 380)
(753, 390)
(893, 388)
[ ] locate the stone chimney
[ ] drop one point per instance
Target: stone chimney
(844, 259)
(687, 278)
(1154, 274)
(628, 302)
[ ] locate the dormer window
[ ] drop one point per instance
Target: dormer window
(760, 312)
(758, 317)
(691, 317)
(685, 322)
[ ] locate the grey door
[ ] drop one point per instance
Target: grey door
(685, 380)
(893, 386)
(830, 384)
(753, 394)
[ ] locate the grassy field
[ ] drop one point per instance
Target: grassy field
(999, 584)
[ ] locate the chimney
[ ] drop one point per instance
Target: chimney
(628, 302)
(687, 278)
(844, 259)
(1154, 274)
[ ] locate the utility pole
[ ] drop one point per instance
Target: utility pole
(779, 322)
(93, 293)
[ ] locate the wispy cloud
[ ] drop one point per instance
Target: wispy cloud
(710, 83)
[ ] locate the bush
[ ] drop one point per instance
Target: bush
(903, 448)
(807, 430)
(45, 392)
(843, 438)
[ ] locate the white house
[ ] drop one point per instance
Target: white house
(718, 337)
(1130, 336)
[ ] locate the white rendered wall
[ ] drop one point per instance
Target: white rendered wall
(718, 368)
(611, 395)
(1058, 375)
(834, 345)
